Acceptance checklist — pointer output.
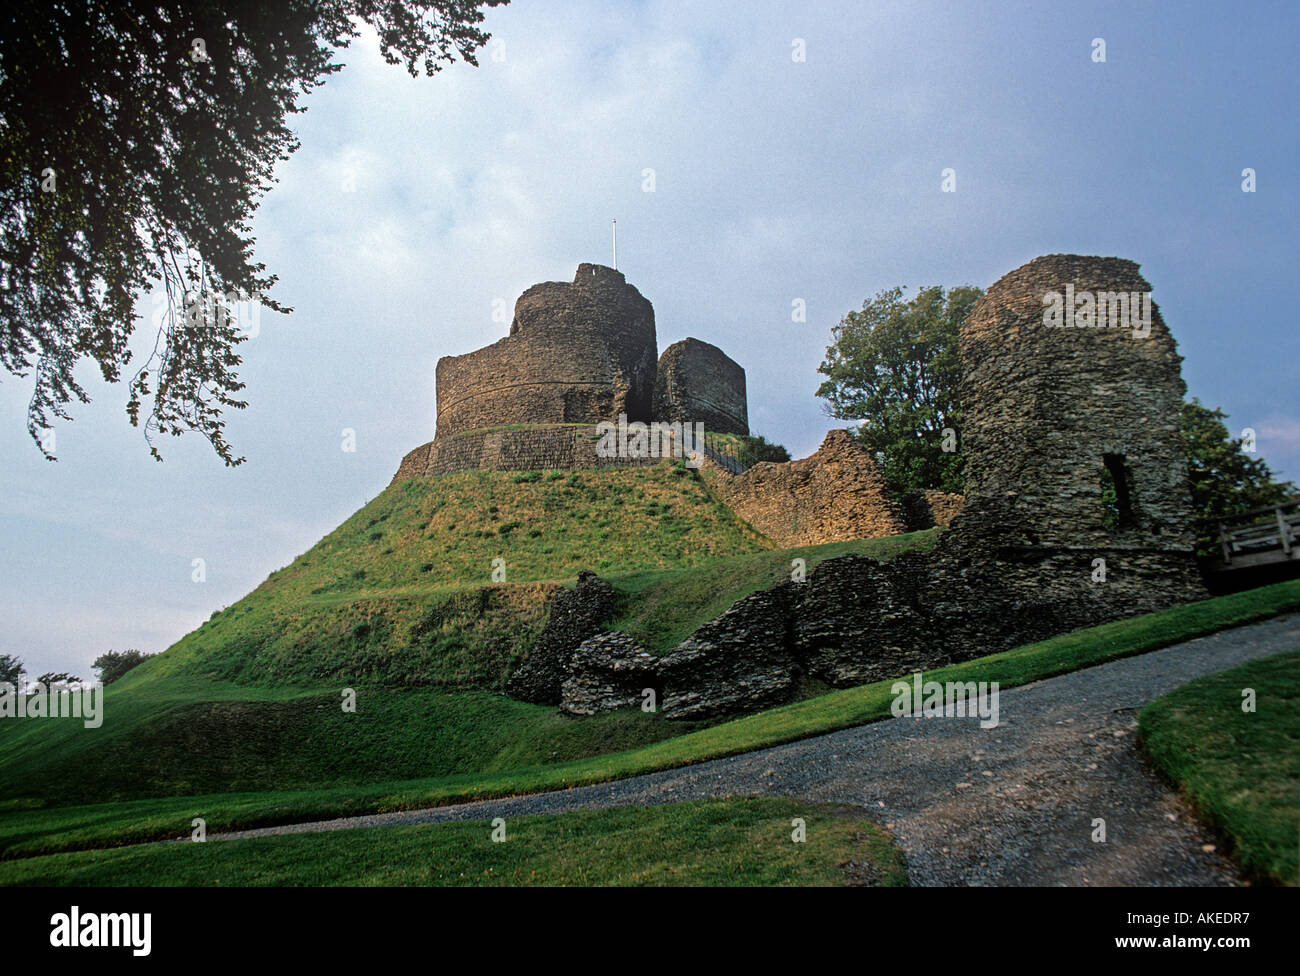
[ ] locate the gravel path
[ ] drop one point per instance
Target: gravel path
(1011, 805)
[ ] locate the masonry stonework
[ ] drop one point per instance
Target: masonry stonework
(577, 352)
(572, 617)
(699, 383)
(836, 494)
(1055, 409)
(926, 508)
(1077, 512)
(533, 448)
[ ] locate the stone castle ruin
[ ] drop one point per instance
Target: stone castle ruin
(699, 383)
(582, 353)
(1058, 415)
(836, 494)
(1077, 512)
(578, 353)
(1077, 508)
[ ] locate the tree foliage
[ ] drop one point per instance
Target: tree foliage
(111, 665)
(11, 670)
(753, 448)
(1225, 480)
(895, 368)
(58, 680)
(136, 139)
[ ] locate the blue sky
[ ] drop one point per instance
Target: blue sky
(414, 204)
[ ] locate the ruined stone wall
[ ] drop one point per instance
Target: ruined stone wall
(577, 352)
(698, 383)
(856, 620)
(535, 448)
(572, 617)
(414, 465)
(1033, 553)
(834, 495)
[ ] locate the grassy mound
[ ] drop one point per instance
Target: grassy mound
(252, 700)
(403, 592)
(1241, 770)
(743, 841)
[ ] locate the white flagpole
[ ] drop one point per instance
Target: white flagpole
(615, 223)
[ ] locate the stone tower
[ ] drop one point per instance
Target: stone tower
(1054, 411)
(1076, 474)
(579, 352)
(699, 383)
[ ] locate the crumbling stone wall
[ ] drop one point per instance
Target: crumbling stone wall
(414, 465)
(698, 383)
(607, 672)
(572, 617)
(857, 620)
(537, 448)
(1033, 553)
(836, 494)
(739, 661)
(577, 352)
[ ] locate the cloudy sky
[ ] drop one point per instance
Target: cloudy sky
(414, 205)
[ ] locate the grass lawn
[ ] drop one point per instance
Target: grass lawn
(184, 739)
(29, 827)
(742, 841)
(1241, 770)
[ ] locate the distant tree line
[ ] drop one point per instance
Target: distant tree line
(110, 666)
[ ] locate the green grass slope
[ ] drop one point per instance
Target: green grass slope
(403, 591)
(398, 604)
(31, 827)
(1241, 770)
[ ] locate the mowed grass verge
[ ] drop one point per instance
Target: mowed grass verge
(25, 831)
(1239, 769)
(739, 841)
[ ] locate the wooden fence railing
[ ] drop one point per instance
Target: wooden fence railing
(1265, 535)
